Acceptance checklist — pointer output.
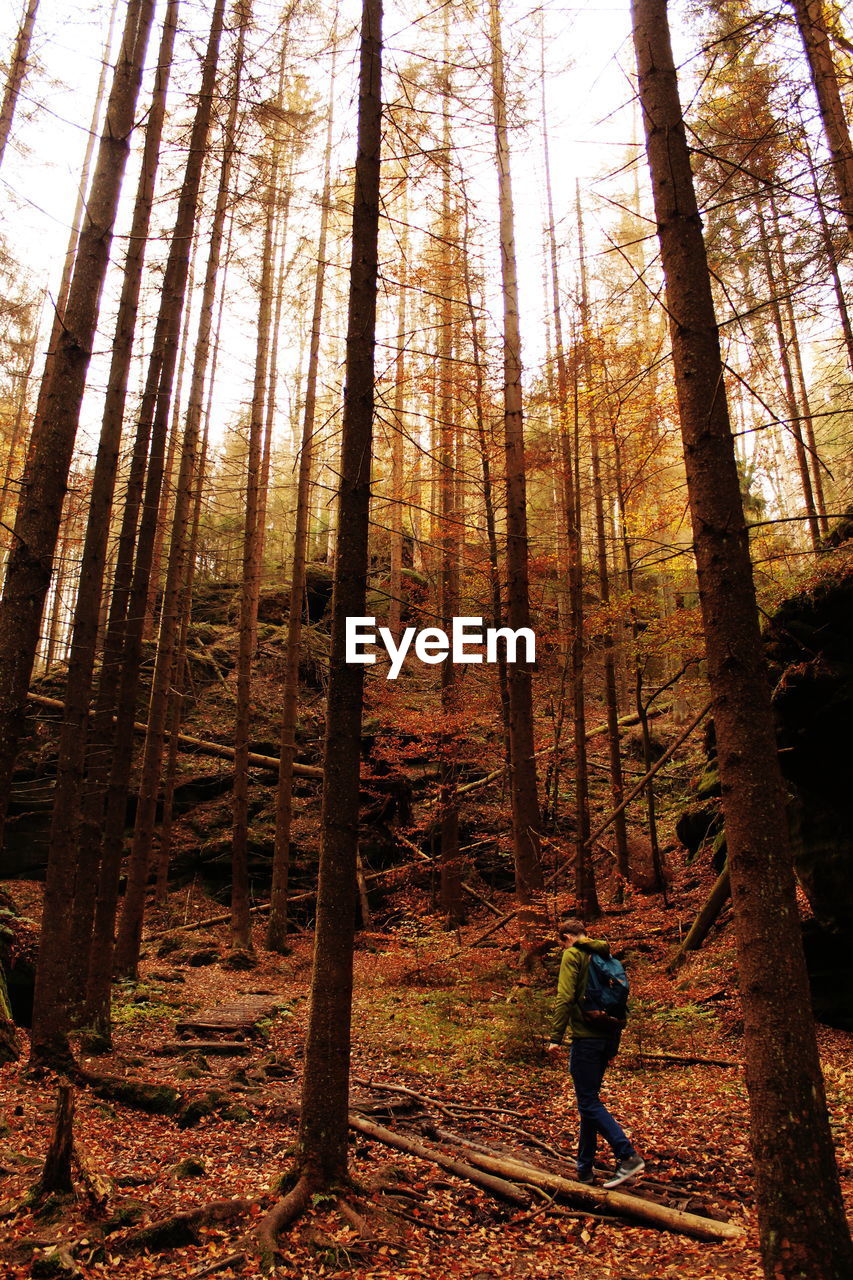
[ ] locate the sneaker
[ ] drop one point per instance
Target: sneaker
(587, 1178)
(630, 1167)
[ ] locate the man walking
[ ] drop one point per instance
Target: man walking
(594, 1043)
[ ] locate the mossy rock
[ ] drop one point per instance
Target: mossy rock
(126, 1214)
(189, 1167)
(157, 1099)
(240, 960)
(57, 1262)
(212, 1102)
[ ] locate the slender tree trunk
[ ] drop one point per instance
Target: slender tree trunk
(585, 888)
(814, 463)
(812, 24)
(325, 1094)
(277, 926)
(168, 490)
(485, 463)
(176, 694)
(802, 1223)
(610, 698)
(525, 801)
(46, 475)
(790, 393)
(173, 604)
(395, 607)
(832, 261)
(45, 485)
(17, 72)
(241, 930)
(449, 528)
(65, 820)
(82, 187)
(165, 356)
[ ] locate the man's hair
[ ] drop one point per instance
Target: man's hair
(571, 926)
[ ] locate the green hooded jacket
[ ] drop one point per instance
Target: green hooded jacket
(571, 986)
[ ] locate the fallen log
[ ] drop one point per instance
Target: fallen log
(261, 908)
(626, 1206)
(182, 1229)
(221, 1264)
(481, 937)
(686, 1060)
(658, 765)
(98, 1186)
(624, 722)
(701, 927)
(497, 1186)
(157, 1099)
(199, 745)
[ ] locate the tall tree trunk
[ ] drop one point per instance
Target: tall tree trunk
(812, 24)
(241, 931)
(832, 262)
(57, 414)
(65, 818)
(174, 713)
(168, 490)
(787, 373)
(585, 888)
(814, 461)
(325, 1092)
(45, 485)
(164, 355)
(610, 699)
(802, 1223)
(525, 800)
(82, 187)
(449, 528)
(277, 926)
(17, 72)
(486, 467)
(395, 606)
(173, 603)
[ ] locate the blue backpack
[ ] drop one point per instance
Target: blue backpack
(605, 1001)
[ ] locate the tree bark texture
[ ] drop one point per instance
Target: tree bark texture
(523, 786)
(325, 1097)
(45, 478)
(65, 818)
(17, 73)
(174, 595)
(277, 926)
(164, 358)
(46, 481)
(812, 24)
(802, 1224)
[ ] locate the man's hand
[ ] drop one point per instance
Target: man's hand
(550, 1047)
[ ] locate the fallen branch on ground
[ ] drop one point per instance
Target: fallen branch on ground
(182, 1228)
(682, 1059)
(628, 1206)
(708, 914)
(500, 1187)
(199, 745)
(262, 908)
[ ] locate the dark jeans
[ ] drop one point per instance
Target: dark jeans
(587, 1063)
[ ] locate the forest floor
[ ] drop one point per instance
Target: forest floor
(453, 1023)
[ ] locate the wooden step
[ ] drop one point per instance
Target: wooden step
(234, 1048)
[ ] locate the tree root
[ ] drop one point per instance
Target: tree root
(182, 1228)
(281, 1215)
